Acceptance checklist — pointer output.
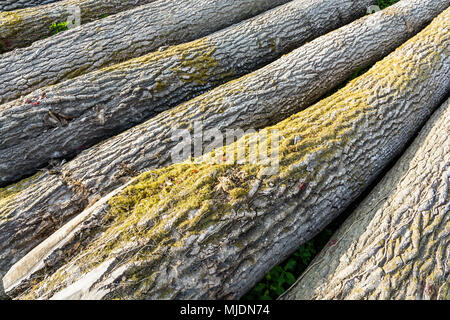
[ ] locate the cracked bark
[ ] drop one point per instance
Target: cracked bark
(132, 245)
(396, 244)
(20, 28)
(56, 121)
(8, 5)
(118, 38)
(33, 209)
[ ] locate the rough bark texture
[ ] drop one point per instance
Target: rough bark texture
(117, 38)
(212, 230)
(22, 27)
(7, 5)
(34, 208)
(104, 103)
(396, 244)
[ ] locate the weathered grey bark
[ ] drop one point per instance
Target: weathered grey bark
(117, 38)
(211, 231)
(31, 213)
(7, 5)
(396, 243)
(22, 27)
(104, 103)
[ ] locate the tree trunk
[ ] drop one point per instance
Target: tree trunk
(203, 230)
(100, 104)
(22, 27)
(395, 245)
(8, 5)
(274, 92)
(49, 200)
(118, 38)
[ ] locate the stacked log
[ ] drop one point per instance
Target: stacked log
(78, 113)
(395, 244)
(202, 230)
(117, 38)
(22, 27)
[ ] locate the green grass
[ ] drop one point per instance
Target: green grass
(58, 27)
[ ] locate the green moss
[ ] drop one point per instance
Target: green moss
(160, 85)
(196, 63)
(199, 66)
(58, 27)
(10, 19)
(237, 193)
(12, 190)
(77, 72)
(273, 45)
(8, 193)
(164, 207)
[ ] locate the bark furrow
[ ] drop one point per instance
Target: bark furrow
(396, 243)
(32, 209)
(211, 230)
(117, 38)
(8, 5)
(56, 121)
(21, 28)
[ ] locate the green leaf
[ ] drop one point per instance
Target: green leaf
(290, 278)
(290, 265)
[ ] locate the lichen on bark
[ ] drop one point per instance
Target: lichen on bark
(329, 153)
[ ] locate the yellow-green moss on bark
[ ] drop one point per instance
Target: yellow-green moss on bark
(195, 58)
(153, 219)
(167, 198)
(10, 19)
(7, 193)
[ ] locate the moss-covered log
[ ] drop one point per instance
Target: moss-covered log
(290, 84)
(22, 27)
(8, 5)
(48, 200)
(203, 230)
(396, 243)
(85, 110)
(117, 38)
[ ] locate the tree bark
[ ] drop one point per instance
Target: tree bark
(20, 28)
(8, 5)
(202, 230)
(100, 104)
(274, 92)
(395, 245)
(114, 39)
